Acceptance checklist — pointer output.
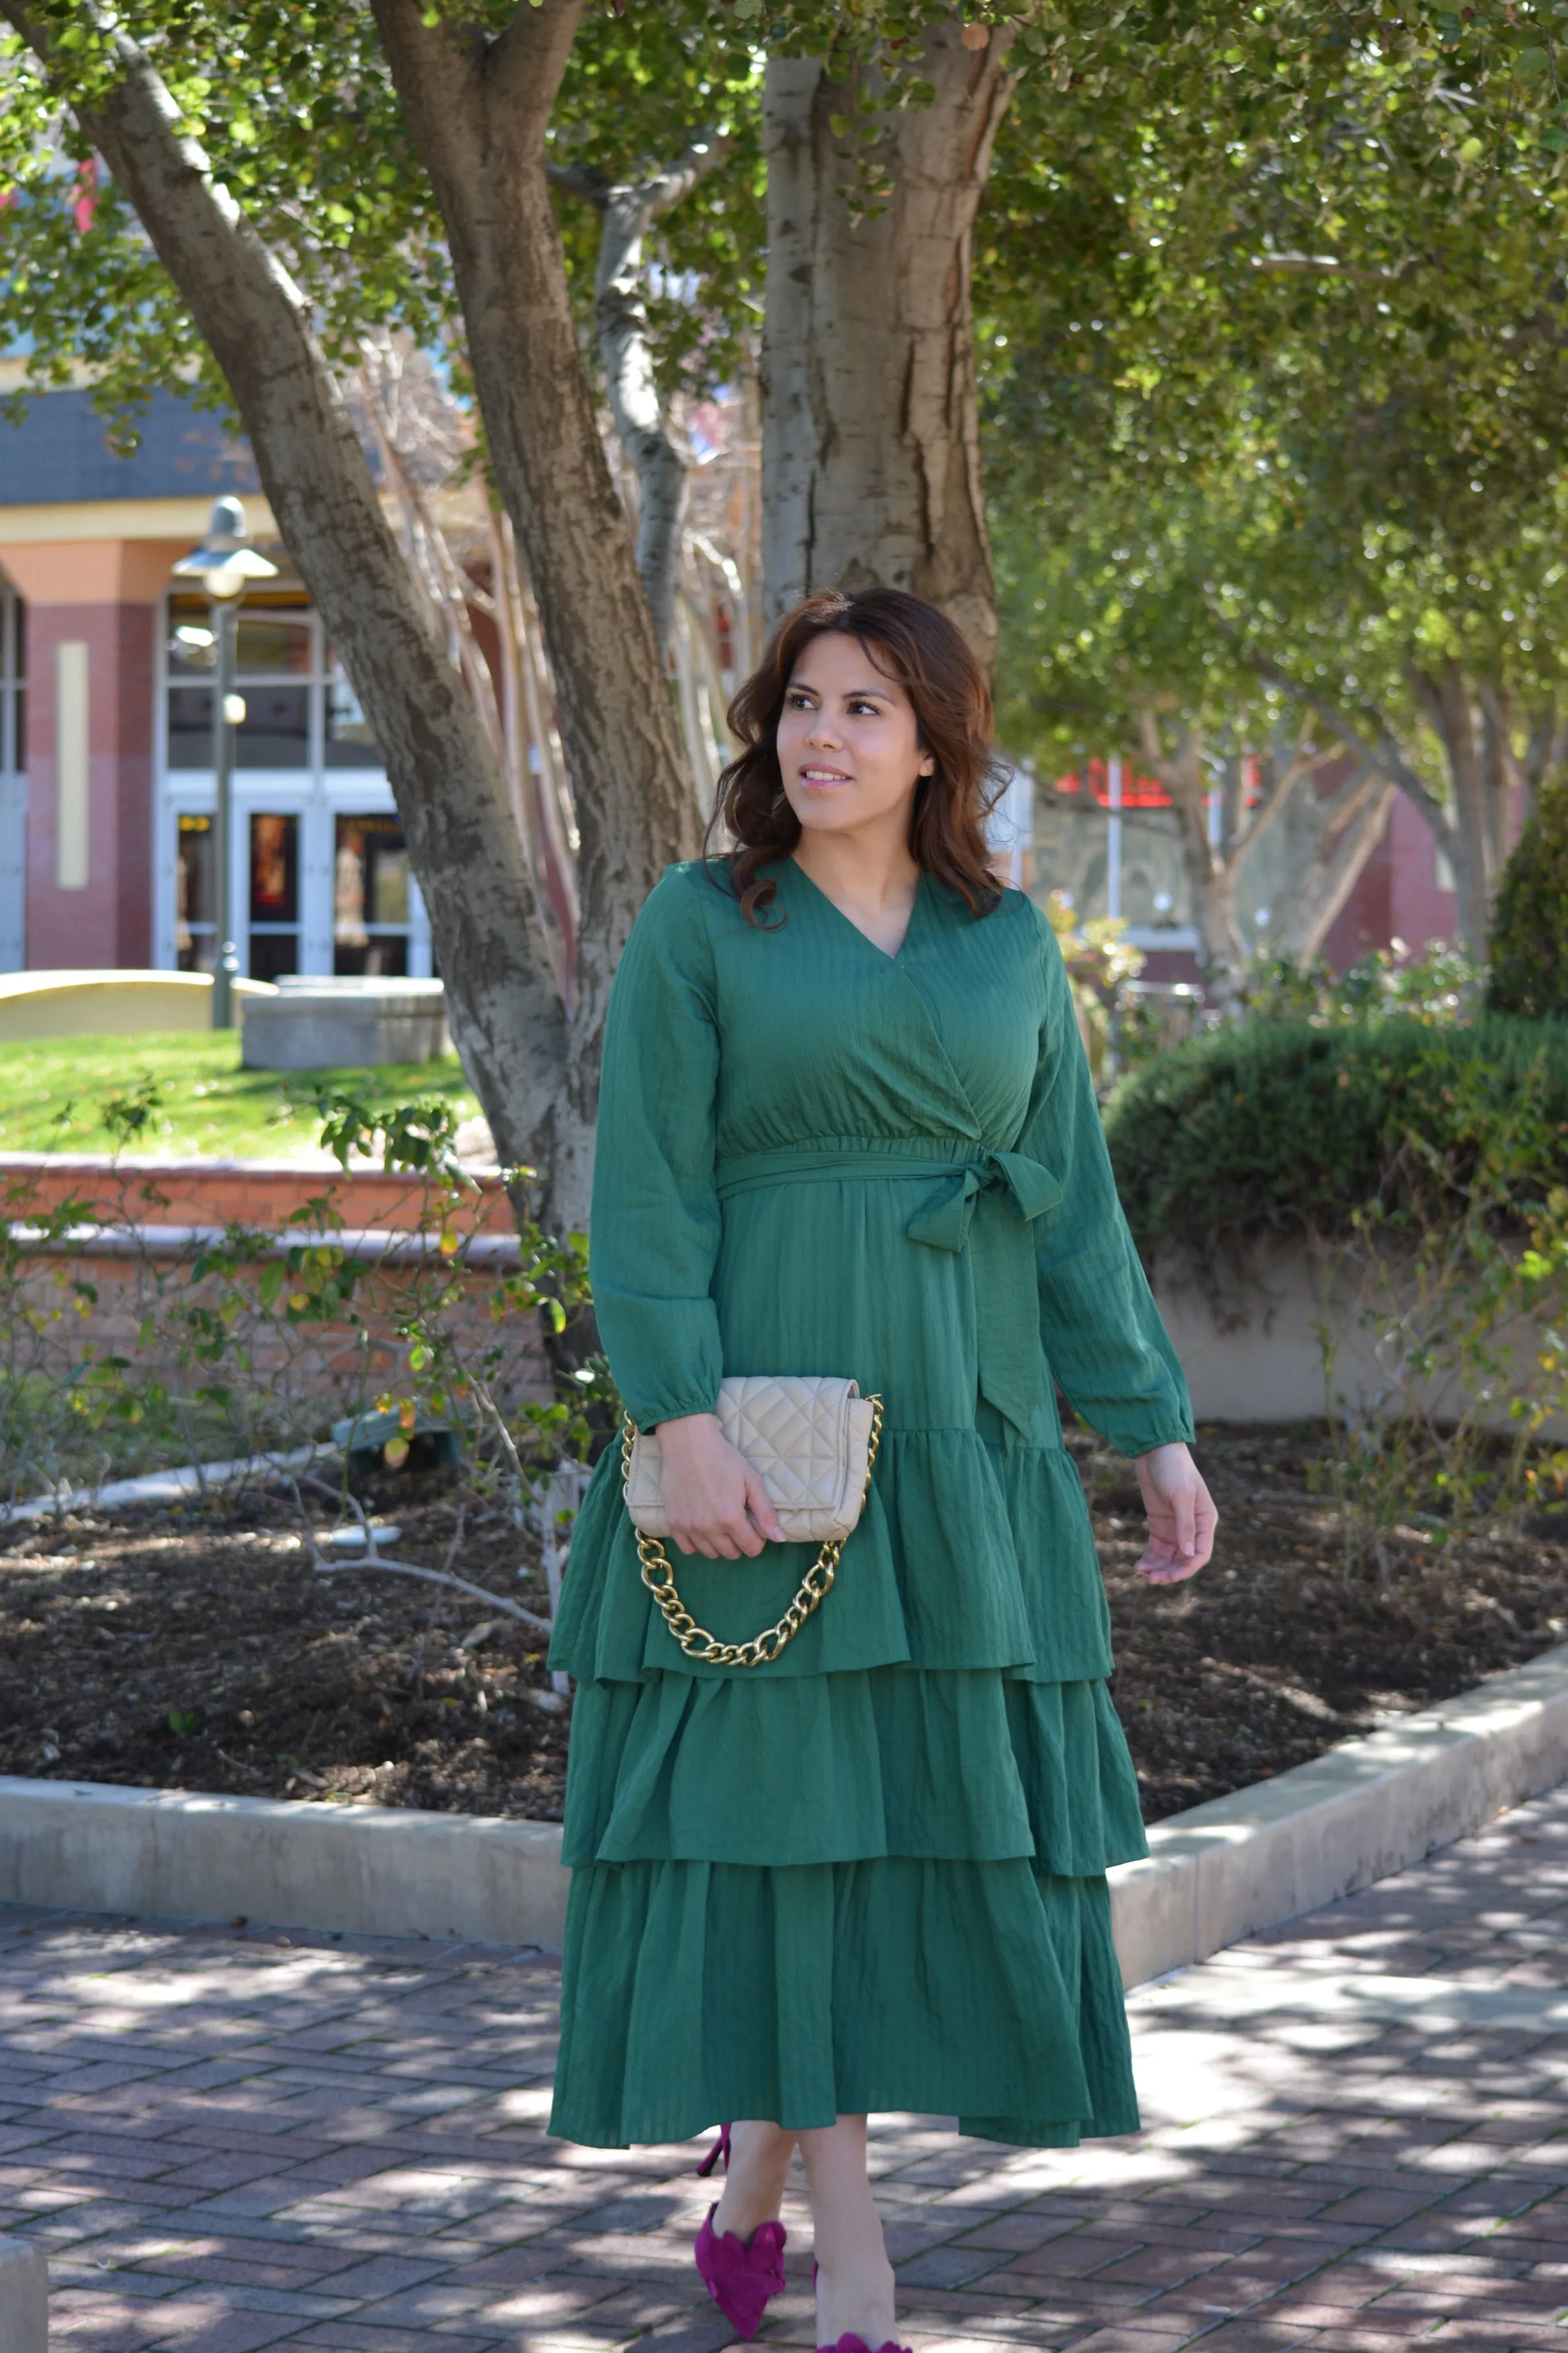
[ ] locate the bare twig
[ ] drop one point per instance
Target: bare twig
(371, 1559)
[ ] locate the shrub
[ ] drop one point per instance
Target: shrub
(1529, 957)
(1281, 1124)
(1440, 984)
(1427, 1163)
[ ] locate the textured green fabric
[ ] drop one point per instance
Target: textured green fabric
(871, 1874)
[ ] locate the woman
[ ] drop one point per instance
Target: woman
(846, 1128)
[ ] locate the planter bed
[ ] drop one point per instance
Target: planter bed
(191, 1646)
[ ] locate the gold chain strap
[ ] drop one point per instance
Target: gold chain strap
(762, 1649)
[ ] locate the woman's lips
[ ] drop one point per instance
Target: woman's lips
(823, 776)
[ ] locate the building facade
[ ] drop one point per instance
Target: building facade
(105, 777)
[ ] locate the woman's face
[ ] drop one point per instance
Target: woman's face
(848, 746)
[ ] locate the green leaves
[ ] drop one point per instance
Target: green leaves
(1265, 311)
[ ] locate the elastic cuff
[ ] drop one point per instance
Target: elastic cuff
(1145, 1442)
(674, 1410)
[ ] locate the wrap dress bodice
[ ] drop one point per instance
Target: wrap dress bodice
(814, 1157)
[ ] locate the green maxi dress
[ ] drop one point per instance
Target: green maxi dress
(870, 1875)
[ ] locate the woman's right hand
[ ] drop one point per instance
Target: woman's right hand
(716, 1502)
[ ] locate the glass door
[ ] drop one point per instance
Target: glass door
(273, 947)
(370, 898)
(195, 930)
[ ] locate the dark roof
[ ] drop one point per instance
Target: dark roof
(60, 453)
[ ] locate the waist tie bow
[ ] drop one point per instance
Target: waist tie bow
(985, 1206)
(991, 1206)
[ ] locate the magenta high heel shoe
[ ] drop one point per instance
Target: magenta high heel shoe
(740, 2274)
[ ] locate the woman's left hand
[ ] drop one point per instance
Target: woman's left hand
(1181, 1516)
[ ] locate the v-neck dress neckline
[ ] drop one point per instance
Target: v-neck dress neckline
(832, 906)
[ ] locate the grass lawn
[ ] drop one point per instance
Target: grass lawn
(53, 1094)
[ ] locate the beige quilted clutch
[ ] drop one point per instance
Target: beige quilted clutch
(807, 1435)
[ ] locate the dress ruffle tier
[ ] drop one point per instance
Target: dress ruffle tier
(940, 1784)
(968, 1553)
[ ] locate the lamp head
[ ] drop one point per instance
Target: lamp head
(225, 561)
(225, 524)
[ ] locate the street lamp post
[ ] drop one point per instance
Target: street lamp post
(224, 565)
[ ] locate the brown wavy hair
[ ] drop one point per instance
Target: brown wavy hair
(912, 643)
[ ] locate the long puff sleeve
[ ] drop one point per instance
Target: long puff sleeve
(654, 1225)
(1104, 1336)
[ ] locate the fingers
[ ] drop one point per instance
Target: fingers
(725, 1538)
(732, 1523)
(1165, 1569)
(1207, 1521)
(759, 1504)
(734, 1534)
(1182, 1525)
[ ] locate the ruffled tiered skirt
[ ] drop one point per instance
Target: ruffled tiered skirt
(869, 1876)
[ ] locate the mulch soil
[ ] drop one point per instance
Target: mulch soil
(196, 1648)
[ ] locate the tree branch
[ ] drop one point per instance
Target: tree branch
(1545, 750)
(523, 63)
(1384, 754)
(626, 211)
(476, 115)
(1357, 826)
(1283, 776)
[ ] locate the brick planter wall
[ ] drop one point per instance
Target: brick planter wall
(258, 1193)
(151, 1214)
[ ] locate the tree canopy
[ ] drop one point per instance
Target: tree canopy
(1273, 367)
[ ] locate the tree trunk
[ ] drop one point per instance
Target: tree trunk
(1448, 708)
(870, 441)
(450, 794)
(1210, 876)
(477, 109)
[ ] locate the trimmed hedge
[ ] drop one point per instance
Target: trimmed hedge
(1277, 1126)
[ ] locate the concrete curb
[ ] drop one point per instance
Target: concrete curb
(24, 2297)
(369, 1869)
(1218, 1873)
(1245, 1862)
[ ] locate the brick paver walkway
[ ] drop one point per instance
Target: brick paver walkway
(1356, 2140)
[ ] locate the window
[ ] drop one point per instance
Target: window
(1153, 878)
(275, 670)
(370, 898)
(274, 895)
(1107, 836)
(347, 740)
